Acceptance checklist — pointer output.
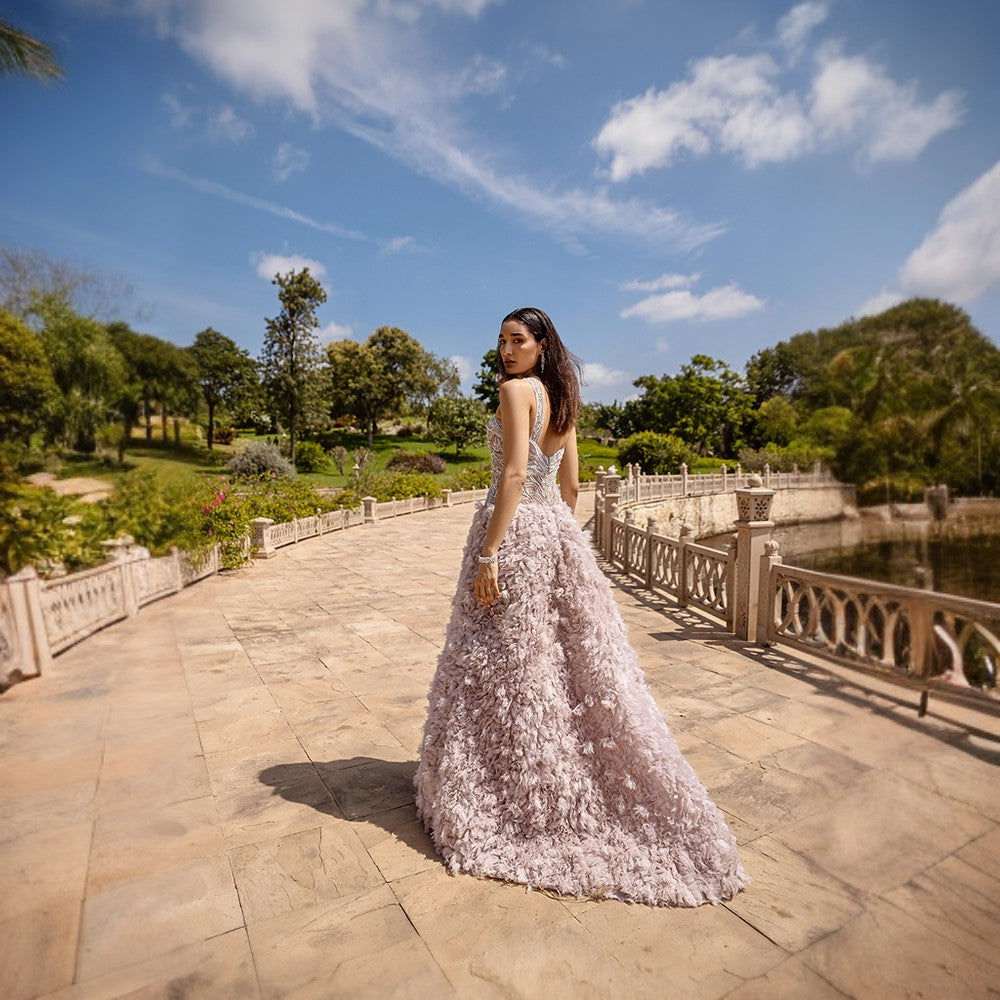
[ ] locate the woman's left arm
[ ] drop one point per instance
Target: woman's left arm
(516, 397)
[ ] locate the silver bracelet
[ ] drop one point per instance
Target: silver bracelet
(489, 560)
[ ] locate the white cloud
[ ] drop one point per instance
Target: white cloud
(466, 367)
(960, 258)
(269, 264)
(205, 186)
(288, 160)
(725, 302)
(225, 125)
(796, 25)
(663, 281)
(885, 299)
(733, 104)
(595, 374)
(662, 345)
(219, 124)
(334, 331)
(401, 244)
(372, 70)
(853, 99)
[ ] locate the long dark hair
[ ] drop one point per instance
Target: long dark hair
(563, 371)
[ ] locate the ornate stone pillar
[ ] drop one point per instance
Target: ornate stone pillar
(753, 529)
(370, 506)
(260, 537)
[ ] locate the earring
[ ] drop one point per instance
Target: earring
(541, 363)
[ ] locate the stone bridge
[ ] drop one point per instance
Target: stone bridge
(212, 799)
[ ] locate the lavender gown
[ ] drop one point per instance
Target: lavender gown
(545, 760)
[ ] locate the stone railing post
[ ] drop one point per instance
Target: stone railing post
(446, 497)
(731, 550)
(684, 479)
(260, 537)
(612, 492)
(739, 472)
(175, 569)
(319, 521)
(921, 618)
(725, 478)
(765, 600)
(753, 529)
(599, 478)
(370, 506)
(767, 475)
(652, 528)
(31, 654)
(626, 548)
(685, 538)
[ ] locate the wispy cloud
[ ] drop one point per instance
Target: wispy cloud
(401, 244)
(221, 123)
(373, 71)
(663, 281)
(157, 169)
(724, 302)
(735, 105)
(268, 265)
(288, 160)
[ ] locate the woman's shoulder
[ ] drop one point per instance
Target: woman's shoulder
(517, 389)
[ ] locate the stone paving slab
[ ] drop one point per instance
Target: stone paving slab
(213, 799)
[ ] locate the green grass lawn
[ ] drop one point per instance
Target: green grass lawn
(173, 463)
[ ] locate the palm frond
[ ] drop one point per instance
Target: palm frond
(20, 53)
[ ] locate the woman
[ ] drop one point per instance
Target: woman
(545, 760)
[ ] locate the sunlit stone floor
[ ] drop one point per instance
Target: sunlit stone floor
(213, 800)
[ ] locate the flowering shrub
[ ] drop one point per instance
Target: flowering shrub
(224, 435)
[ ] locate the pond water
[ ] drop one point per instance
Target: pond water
(969, 566)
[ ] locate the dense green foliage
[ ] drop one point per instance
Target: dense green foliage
(656, 454)
(385, 374)
(226, 373)
(457, 420)
(310, 457)
(911, 395)
(487, 386)
(28, 392)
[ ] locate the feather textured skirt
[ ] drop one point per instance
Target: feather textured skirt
(545, 759)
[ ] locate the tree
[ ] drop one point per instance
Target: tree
(458, 420)
(372, 379)
(20, 53)
(487, 387)
(225, 372)
(156, 371)
(27, 390)
(88, 370)
(291, 358)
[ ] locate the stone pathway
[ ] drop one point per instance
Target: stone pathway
(213, 800)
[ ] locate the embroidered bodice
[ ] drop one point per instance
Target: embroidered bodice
(540, 481)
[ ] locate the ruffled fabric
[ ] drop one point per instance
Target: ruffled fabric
(545, 760)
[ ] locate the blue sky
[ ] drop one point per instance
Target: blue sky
(663, 178)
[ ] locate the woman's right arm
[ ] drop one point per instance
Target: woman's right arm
(569, 472)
